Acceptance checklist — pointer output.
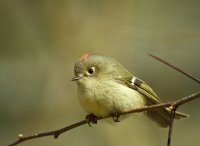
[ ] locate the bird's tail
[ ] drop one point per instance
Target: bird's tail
(162, 116)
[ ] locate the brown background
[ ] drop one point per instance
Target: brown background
(40, 41)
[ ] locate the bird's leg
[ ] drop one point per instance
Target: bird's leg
(115, 117)
(91, 118)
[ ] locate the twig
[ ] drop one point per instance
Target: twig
(176, 68)
(181, 102)
(172, 115)
(56, 133)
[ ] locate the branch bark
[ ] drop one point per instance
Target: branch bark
(56, 133)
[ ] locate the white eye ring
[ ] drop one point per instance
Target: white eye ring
(91, 70)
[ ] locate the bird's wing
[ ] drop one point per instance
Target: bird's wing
(140, 86)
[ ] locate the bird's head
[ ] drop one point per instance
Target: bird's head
(96, 67)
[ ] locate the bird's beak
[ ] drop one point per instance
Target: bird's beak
(76, 78)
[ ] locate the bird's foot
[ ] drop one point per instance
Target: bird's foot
(91, 118)
(115, 117)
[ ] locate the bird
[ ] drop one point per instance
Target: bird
(105, 87)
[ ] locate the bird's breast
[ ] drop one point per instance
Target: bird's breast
(104, 98)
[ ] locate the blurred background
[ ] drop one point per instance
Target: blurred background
(40, 41)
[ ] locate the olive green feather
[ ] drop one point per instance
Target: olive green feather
(161, 116)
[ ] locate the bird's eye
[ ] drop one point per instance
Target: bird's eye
(91, 70)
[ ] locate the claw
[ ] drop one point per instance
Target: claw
(91, 118)
(115, 117)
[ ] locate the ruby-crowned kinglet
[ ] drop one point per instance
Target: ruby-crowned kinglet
(105, 87)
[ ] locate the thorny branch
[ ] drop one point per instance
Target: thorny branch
(56, 133)
(176, 68)
(173, 105)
